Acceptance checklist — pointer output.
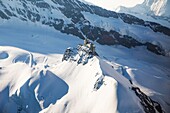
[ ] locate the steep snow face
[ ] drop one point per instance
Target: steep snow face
(159, 7)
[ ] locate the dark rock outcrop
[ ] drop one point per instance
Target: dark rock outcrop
(149, 105)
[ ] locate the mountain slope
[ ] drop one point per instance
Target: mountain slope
(57, 14)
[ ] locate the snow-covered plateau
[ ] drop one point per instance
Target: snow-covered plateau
(129, 72)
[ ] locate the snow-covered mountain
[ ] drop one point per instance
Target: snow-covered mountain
(152, 7)
(128, 73)
(153, 10)
(159, 7)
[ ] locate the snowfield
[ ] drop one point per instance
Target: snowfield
(33, 77)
